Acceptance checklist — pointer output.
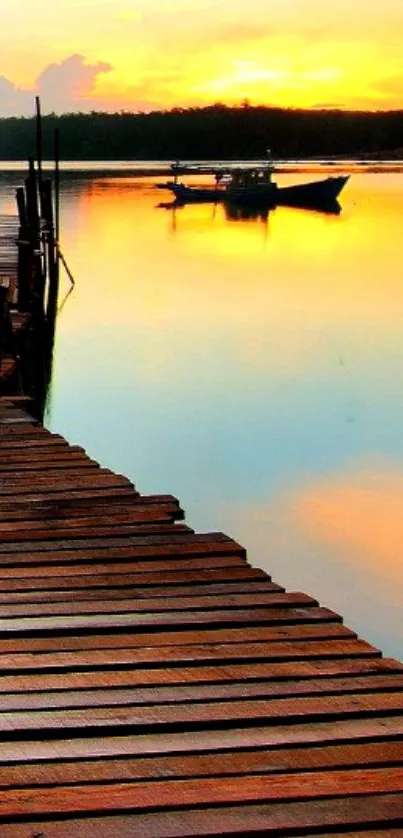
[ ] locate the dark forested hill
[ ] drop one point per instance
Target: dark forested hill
(216, 132)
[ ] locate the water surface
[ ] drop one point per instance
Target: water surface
(253, 368)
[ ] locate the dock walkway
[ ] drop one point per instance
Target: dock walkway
(154, 684)
(14, 320)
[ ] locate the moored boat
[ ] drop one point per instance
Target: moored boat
(255, 187)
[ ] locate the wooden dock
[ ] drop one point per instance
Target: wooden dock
(29, 279)
(155, 685)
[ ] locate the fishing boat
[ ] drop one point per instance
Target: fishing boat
(254, 186)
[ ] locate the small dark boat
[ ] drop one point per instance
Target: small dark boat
(255, 187)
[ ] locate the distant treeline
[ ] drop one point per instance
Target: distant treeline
(215, 132)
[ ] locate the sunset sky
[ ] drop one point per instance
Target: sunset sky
(148, 54)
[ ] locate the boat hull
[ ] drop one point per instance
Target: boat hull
(314, 194)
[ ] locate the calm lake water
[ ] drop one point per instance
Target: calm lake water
(251, 367)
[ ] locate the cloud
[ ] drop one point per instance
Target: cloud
(67, 86)
(14, 101)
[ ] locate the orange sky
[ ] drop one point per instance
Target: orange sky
(144, 54)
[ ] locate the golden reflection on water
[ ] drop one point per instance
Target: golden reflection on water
(257, 361)
(360, 512)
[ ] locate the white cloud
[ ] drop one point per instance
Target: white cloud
(13, 101)
(64, 87)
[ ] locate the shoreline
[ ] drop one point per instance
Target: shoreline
(139, 169)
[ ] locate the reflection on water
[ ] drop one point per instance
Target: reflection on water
(254, 370)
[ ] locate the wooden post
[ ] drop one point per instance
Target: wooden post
(25, 262)
(22, 207)
(32, 198)
(34, 234)
(39, 140)
(57, 185)
(51, 247)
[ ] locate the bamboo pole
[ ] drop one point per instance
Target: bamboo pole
(57, 184)
(39, 140)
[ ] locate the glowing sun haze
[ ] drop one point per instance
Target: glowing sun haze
(147, 54)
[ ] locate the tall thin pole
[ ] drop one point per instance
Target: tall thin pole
(39, 139)
(57, 186)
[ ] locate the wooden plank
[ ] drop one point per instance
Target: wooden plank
(56, 481)
(131, 514)
(114, 697)
(43, 454)
(119, 555)
(308, 674)
(21, 470)
(175, 637)
(158, 656)
(342, 731)
(293, 650)
(60, 509)
(174, 543)
(19, 480)
(208, 714)
(202, 571)
(85, 494)
(121, 588)
(56, 513)
(14, 439)
(181, 766)
(57, 517)
(73, 623)
(105, 606)
(160, 524)
(369, 833)
(246, 820)
(93, 479)
(14, 420)
(29, 432)
(143, 796)
(147, 572)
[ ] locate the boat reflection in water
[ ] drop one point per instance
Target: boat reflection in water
(239, 211)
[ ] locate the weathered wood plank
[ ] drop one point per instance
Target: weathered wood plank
(73, 623)
(56, 481)
(25, 469)
(305, 673)
(143, 796)
(122, 588)
(234, 763)
(158, 524)
(42, 453)
(136, 696)
(175, 637)
(293, 650)
(89, 746)
(77, 506)
(125, 494)
(56, 515)
(283, 819)
(206, 714)
(172, 544)
(205, 571)
(204, 603)
(148, 571)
